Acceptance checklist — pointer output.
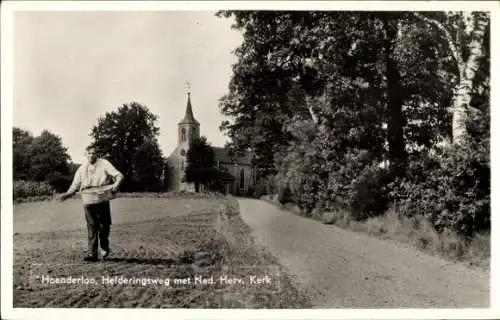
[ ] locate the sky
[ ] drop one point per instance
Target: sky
(72, 67)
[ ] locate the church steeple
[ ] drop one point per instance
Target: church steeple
(189, 127)
(188, 116)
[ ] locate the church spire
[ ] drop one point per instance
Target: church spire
(188, 116)
(189, 109)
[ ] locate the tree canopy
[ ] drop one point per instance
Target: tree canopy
(39, 158)
(42, 158)
(329, 100)
(128, 138)
(200, 168)
(389, 76)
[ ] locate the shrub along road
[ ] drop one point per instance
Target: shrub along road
(341, 268)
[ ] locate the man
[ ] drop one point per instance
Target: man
(95, 172)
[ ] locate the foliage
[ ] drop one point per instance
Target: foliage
(222, 177)
(325, 173)
(380, 72)
(285, 195)
(47, 156)
(128, 138)
(369, 192)
(60, 182)
(148, 167)
(263, 90)
(21, 141)
(41, 158)
(26, 189)
(259, 190)
(451, 189)
(451, 186)
(349, 107)
(200, 168)
(166, 174)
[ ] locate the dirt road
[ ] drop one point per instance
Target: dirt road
(345, 269)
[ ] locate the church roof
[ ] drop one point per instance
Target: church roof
(222, 155)
(188, 116)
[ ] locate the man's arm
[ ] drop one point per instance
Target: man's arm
(112, 171)
(75, 185)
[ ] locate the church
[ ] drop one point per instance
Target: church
(241, 172)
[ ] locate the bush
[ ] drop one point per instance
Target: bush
(259, 191)
(425, 235)
(276, 202)
(450, 188)
(26, 189)
(60, 183)
(142, 183)
(369, 195)
(249, 192)
(285, 195)
(479, 248)
(308, 193)
(267, 198)
(151, 185)
(328, 217)
(292, 208)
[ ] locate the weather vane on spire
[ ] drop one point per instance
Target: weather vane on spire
(188, 87)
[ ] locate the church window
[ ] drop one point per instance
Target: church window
(193, 134)
(183, 152)
(183, 134)
(242, 179)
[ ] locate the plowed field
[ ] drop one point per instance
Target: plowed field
(166, 253)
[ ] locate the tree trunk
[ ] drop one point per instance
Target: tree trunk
(463, 92)
(466, 70)
(310, 102)
(396, 121)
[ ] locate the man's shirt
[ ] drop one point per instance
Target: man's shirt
(94, 175)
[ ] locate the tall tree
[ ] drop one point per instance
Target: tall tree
(471, 34)
(270, 71)
(48, 157)
(308, 65)
(343, 91)
(149, 166)
(200, 168)
(378, 75)
(120, 135)
(395, 100)
(21, 141)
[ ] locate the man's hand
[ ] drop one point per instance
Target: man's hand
(114, 189)
(64, 196)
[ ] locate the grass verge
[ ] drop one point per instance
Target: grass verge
(246, 258)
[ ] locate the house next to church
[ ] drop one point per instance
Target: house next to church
(239, 167)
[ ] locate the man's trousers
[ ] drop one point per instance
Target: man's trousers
(98, 218)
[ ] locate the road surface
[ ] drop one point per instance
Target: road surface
(345, 269)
